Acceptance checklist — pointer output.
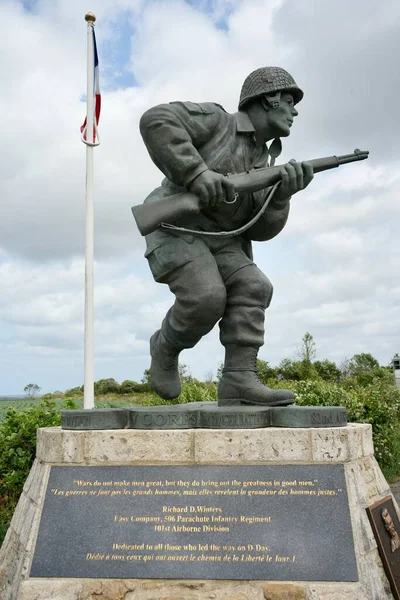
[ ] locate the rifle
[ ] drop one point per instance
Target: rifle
(150, 215)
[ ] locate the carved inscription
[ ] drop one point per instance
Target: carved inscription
(181, 419)
(328, 418)
(212, 522)
(77, 422)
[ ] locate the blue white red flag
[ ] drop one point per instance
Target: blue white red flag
(96, 94)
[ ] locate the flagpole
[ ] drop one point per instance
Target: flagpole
(88, 397)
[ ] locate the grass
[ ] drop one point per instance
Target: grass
(17, 404)
(106, 401)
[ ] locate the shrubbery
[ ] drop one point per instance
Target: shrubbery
(197, 391)
(17, 451)
(110, 386)
(132, 387)
(377, 403)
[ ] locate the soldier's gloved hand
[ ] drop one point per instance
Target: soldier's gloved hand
(295, 176)
(212, 188)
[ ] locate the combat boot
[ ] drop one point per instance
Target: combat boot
(240, 383)
(164, 374)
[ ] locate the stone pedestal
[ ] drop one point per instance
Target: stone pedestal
(351, 446)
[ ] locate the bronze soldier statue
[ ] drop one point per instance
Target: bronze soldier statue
(212, 276)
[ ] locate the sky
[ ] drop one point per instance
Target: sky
(335, 267)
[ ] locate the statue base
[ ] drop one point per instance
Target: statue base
(204, 415)
(327, 449)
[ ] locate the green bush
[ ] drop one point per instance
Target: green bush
(377, 404)
(382, 374)
(196, 391)
(362, 363)
(18, 449)
(18, 444)
(265, 371)
(289, 369)
(327, 370)
(132, 387)
(5, 519)
(106, 386)
(74, 392)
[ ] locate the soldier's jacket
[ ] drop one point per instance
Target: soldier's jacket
(184, 139)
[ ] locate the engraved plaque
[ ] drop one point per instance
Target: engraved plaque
(386, 527)
(288, 522)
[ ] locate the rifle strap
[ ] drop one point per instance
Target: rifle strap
(234, 232)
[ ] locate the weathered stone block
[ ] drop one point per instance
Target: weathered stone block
(55, 445)
(33, 480)
(136, 446)
(19, 513)
(375, 583)
(381, 483)
(367, 471)
(285, 591)
(49, 444)
(368, 474)
(367, 440)
(356, 486)
(252, 445)
(337, 591)
(340, 445)
(115, 589)
(73, 446)
(11, 558)
(35, 485)
(52, 589)
(30, 536)
(367, 535)
(31, 513)
(152, 585)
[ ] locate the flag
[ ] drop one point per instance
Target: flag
(96, 93)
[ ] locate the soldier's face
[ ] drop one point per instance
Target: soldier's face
(281, 119)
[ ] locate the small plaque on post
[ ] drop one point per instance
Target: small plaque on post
(386, 527)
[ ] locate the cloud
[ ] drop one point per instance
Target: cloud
(346, 59)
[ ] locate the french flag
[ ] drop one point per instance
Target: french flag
(96, 94)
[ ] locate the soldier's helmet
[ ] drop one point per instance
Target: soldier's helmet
(271, 81)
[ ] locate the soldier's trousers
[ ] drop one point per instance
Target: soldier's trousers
(212, 280)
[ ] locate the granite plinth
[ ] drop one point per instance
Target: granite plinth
(204, 415)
